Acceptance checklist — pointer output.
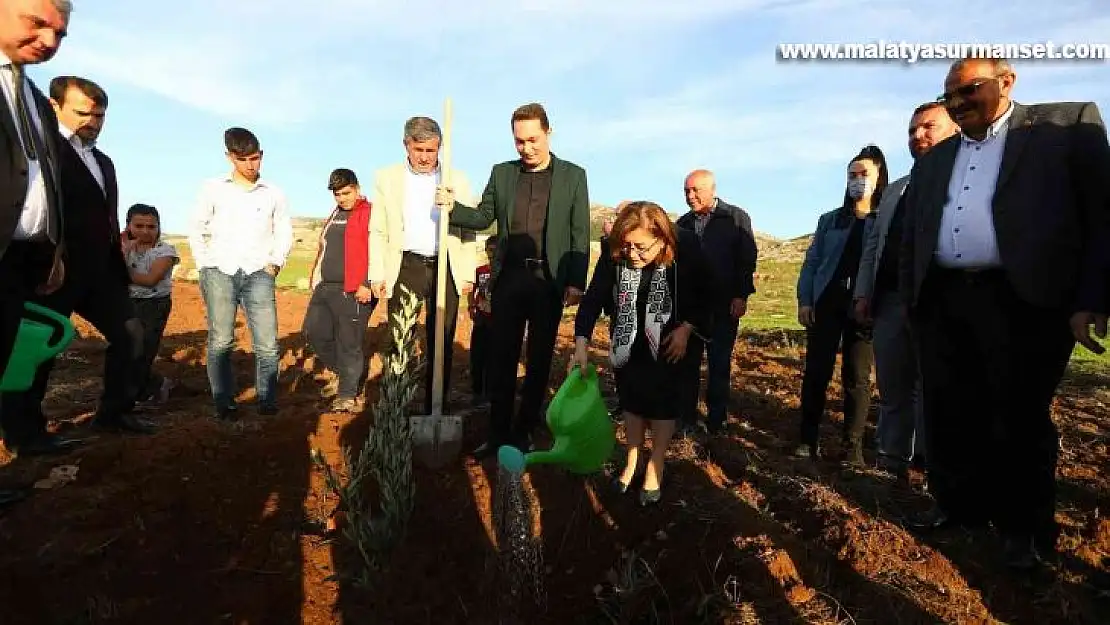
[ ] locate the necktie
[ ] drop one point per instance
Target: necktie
(31, 139)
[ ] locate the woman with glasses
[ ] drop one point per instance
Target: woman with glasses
(825, 308)
(653, 282)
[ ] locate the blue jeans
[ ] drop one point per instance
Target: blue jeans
(223, 294)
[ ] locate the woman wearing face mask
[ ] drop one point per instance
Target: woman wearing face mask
(653, 283)
(150, 262)
(824, 308)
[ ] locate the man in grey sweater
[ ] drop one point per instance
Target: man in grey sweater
(899, 433)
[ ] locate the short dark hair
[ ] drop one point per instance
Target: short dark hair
(341, 178)
(143, 209)
(533, 110)
(928, 106)
(241, 142)
(60, 86)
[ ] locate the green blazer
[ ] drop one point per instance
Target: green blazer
(567, 230)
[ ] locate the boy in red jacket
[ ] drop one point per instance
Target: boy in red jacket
(480, 314)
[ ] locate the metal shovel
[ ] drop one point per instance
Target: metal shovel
(437, 438)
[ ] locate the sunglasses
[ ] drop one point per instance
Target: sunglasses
(963, 91)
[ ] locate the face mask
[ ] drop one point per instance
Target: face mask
(859, 187)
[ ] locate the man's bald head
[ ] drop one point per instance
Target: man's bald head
(700, 190)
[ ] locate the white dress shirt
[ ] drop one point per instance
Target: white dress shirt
(421, 215)
(235, 227)
(966, 239)
(86, 154)
(33, 220)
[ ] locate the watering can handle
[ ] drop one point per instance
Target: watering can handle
(589, 374)
(62, 338)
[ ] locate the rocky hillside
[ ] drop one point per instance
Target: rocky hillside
(306, 233)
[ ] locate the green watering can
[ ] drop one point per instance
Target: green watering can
(43, 334)
(579, 419)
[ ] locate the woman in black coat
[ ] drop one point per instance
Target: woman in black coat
(654, 284)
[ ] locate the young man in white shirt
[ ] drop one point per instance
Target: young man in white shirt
(240, 237)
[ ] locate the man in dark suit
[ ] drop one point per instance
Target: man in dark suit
(1002, 268)
(726, 236)
(96, 283)
(541, 205)
(30, 217)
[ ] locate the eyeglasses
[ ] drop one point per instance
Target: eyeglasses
(640, 250)
(964, 91)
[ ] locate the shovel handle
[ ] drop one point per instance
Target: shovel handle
(441, 269)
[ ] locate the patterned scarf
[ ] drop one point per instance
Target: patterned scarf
(658, 313)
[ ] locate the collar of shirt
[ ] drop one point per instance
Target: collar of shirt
(996, 128)
(408, 168)
(258, 184)
(72, 137)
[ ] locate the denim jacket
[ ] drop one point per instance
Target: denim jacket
(824, 253)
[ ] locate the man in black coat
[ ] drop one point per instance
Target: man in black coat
(96, 285)
(31, 221)
(729, 244)
(1003, 268)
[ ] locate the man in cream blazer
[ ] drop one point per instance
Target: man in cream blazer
(403, 239)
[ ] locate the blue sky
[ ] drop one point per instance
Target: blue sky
(639, 91)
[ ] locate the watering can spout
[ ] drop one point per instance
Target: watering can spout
(550, 456)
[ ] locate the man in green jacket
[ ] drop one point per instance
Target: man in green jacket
(541, 205)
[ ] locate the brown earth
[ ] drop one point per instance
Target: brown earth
(211, 523)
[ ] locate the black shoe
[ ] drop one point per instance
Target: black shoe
(1020, 555)
(935, 520)
(268, 410)
(45, 445)
(485, 450)
(124, 424)
(620, 487)
(650, 497)
(227, 413)
(11, 497)
(932, 520)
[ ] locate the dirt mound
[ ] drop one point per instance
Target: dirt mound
(213, 523)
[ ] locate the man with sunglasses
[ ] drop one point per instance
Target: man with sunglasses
(1003, 269)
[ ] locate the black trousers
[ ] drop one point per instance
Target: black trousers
(835, 332)
(23, 266)
(990, 365)
(335, 326)
(521, 298)
(418, 274)
(103, 300)
(479, 355)
(153, 313)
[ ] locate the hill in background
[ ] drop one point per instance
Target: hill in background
(776, 278)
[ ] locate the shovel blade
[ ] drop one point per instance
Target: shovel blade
(436, 439)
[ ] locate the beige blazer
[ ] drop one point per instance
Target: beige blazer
(387, 230)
